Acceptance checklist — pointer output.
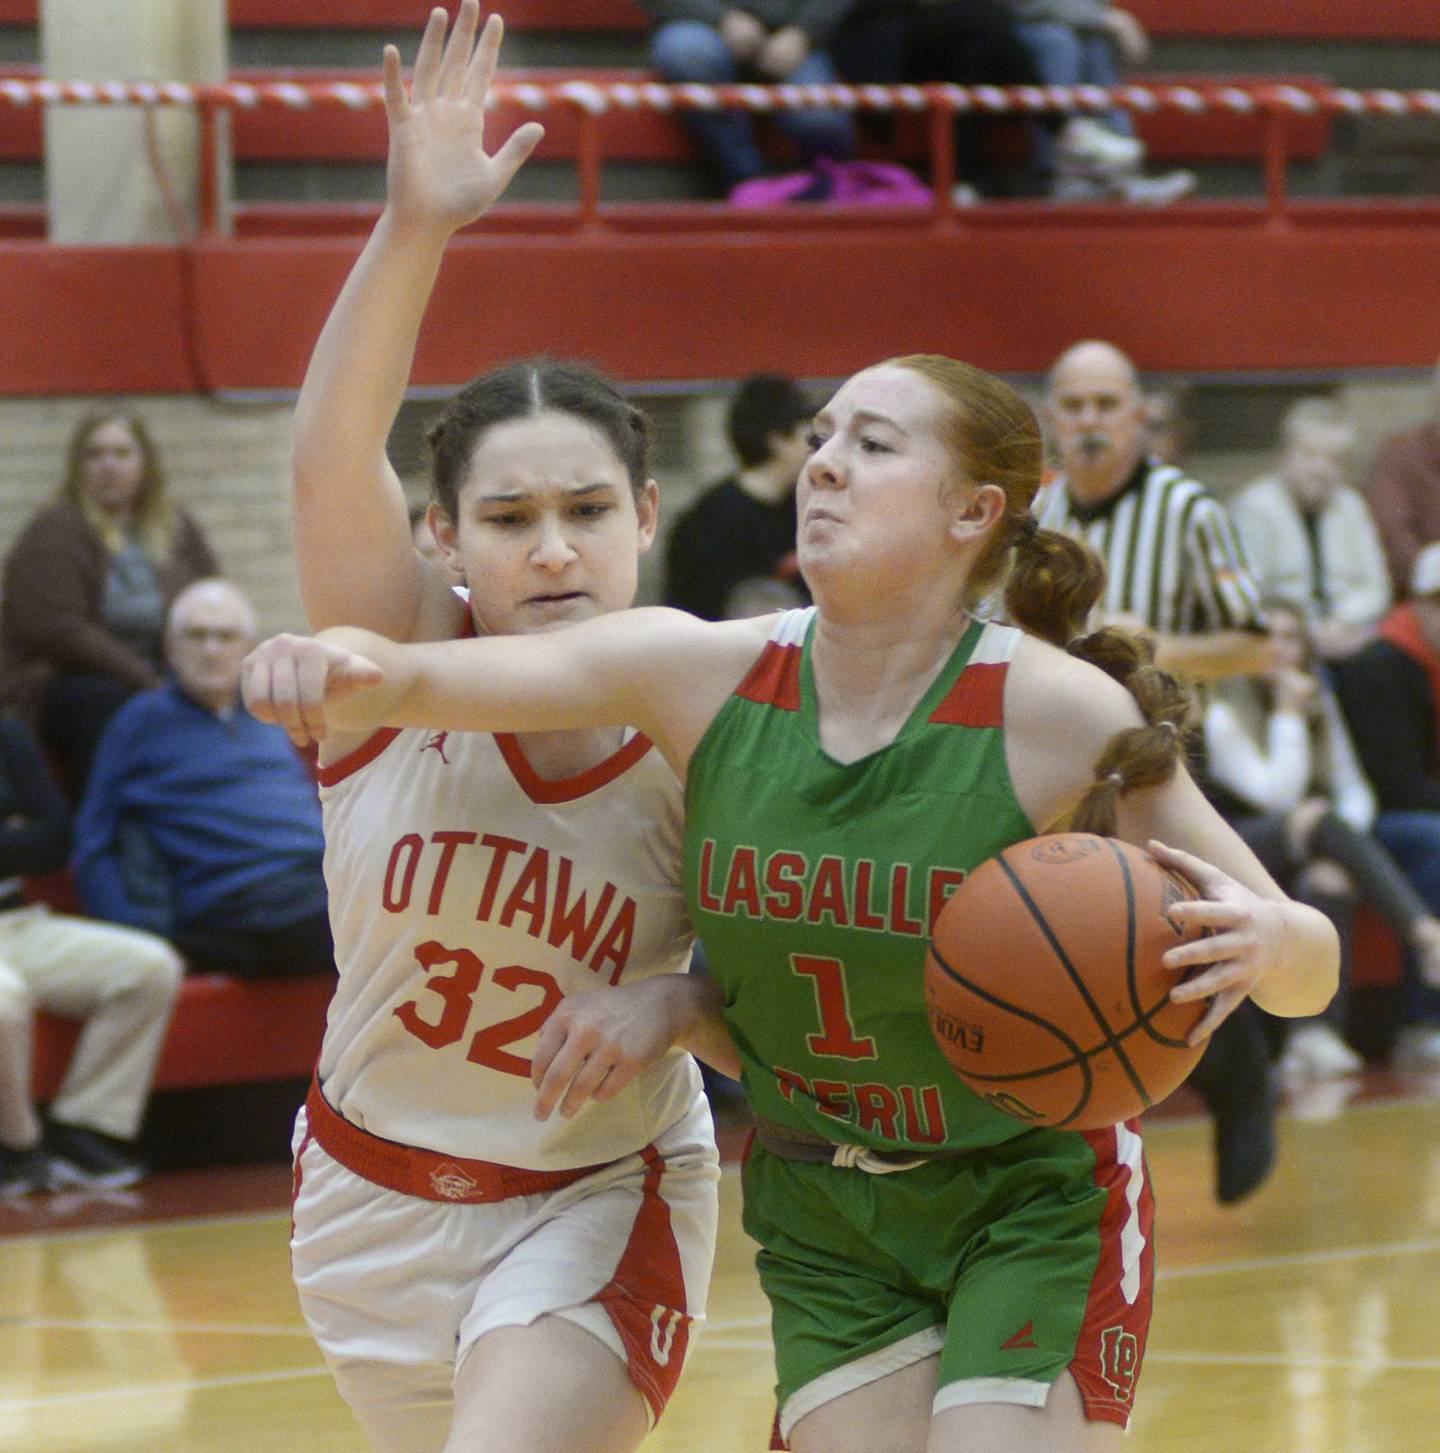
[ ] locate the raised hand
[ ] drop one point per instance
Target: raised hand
(439, 176)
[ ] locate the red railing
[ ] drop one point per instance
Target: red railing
(1273, 106)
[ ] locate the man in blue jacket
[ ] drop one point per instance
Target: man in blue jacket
(200, 822)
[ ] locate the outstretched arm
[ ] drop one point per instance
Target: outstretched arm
(348, 502)
(660, 670)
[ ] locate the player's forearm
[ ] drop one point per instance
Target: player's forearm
(1307, 975)
(1216, 655)
(498, 684)
(702, 1028)
(356, 380)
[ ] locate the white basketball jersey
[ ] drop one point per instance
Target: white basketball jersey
(468, 897)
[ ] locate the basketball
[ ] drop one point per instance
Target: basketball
(1044, 984)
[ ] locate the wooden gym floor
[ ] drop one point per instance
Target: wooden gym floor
(1306, 1320)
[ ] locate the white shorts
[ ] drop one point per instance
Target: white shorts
(625, 1253)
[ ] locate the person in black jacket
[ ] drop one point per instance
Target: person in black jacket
(1390, 694)
(121, 982)
(732, 552)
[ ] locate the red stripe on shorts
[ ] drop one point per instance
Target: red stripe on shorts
(1111, 1345)
(645, 1299)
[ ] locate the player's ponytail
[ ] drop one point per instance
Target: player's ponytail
(1054, 585)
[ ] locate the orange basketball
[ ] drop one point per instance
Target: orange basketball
(1044, 983)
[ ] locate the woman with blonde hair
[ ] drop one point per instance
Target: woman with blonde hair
(87, 585)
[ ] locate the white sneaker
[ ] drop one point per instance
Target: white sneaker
(1319, 1101)
(1417, 1046)
(1085, 142)
(1158, 191)
(1316, 1052)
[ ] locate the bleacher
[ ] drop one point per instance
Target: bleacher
(308, 180)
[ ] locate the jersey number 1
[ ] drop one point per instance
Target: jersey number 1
(837, 1032)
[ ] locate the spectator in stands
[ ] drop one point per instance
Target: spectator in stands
(1390, 692)
(732, 552)
(1086, 42)
(964, 42)
(120, 982)
(716, 43)
(1168, 426)
(1175, 570)
(86, 588)
(1280, 766)
(1309, 538)
(1404, 494)
(199, 821)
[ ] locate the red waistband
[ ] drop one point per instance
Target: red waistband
(429, 1174)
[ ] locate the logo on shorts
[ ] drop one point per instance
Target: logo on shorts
(663, 1322)
(1013, 1105)
(437, 744)
(1025, 1337)
(1119, 1360)
(451, 1182)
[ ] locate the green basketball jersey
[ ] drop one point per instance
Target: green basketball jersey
(813, 886)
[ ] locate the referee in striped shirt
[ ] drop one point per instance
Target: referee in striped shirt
(1175, 572)
(1173, 558)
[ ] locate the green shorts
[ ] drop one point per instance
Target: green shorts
(1011, 1264)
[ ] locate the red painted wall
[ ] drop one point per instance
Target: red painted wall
(1219, 289)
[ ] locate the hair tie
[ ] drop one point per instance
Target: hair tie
(1117, 780)
(1166, 726)
(1027, 528)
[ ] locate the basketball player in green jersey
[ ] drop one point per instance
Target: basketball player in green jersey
(942, 1277)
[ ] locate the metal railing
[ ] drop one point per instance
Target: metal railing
(1274, 106)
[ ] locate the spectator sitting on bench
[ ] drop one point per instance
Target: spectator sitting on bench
(714, 42)
(200, 822)
(1309, 538)
(1087, 43)
(121, 983)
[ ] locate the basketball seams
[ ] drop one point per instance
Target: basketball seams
(989, 927)
(1112, 1041)
(1080, 1058)
(1143, 1016)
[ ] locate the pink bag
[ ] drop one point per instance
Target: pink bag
(845, 183)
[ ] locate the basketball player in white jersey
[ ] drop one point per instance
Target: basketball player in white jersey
(479, 1278)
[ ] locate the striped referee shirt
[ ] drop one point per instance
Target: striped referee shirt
(1171, 554)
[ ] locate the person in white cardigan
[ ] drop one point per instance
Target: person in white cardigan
(1309, 537)
(1280, 766)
